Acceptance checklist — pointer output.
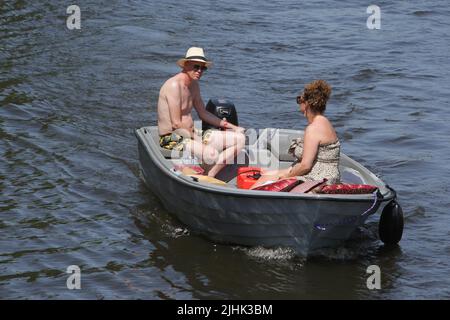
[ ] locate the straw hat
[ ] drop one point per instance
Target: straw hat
(194, 54)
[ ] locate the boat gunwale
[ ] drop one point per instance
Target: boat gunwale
(158, 159)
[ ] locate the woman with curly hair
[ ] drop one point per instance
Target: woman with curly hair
(318, 151)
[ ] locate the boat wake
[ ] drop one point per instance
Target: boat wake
(268, 254)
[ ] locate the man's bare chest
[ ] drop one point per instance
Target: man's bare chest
(187, 100)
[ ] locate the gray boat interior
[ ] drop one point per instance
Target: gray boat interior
(267, 148)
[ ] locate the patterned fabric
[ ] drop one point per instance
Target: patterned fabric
(326, 164)
(348, 189)
(173, 141)
(206, 136)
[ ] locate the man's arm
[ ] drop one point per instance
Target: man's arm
(202, 113)
(209, 117)
(173, 96)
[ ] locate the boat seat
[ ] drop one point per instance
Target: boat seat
(278, 142)
(351, 176)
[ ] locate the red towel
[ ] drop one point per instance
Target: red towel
(282, 185)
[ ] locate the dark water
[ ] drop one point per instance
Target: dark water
(70, 100)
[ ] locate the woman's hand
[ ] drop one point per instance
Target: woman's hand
(278, 174)
(267, 172)
(284, 173)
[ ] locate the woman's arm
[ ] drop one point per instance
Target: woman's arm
(310, 148)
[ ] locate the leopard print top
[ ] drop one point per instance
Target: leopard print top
(326, 164)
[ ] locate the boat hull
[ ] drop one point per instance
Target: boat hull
(304, 223)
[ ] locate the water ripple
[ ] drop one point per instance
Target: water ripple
(69, 180)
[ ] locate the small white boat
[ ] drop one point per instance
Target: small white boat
(304, 222)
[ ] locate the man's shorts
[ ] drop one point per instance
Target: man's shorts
(173, 141)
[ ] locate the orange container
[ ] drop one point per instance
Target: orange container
(247, 176)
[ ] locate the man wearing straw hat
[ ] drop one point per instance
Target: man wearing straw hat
(177, 97)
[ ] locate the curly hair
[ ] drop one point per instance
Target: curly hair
(316, 94)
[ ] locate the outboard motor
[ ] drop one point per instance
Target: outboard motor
(221, 108)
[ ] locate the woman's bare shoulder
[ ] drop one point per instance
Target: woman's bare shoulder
(324, 130)
(312, 133)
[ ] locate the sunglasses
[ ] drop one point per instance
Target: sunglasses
(197, 67)
(300, 99)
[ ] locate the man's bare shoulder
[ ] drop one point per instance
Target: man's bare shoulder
(173, 83)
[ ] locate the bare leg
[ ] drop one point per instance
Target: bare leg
(206, 154)
(228, 144)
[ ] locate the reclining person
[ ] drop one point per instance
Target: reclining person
(177, 97)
